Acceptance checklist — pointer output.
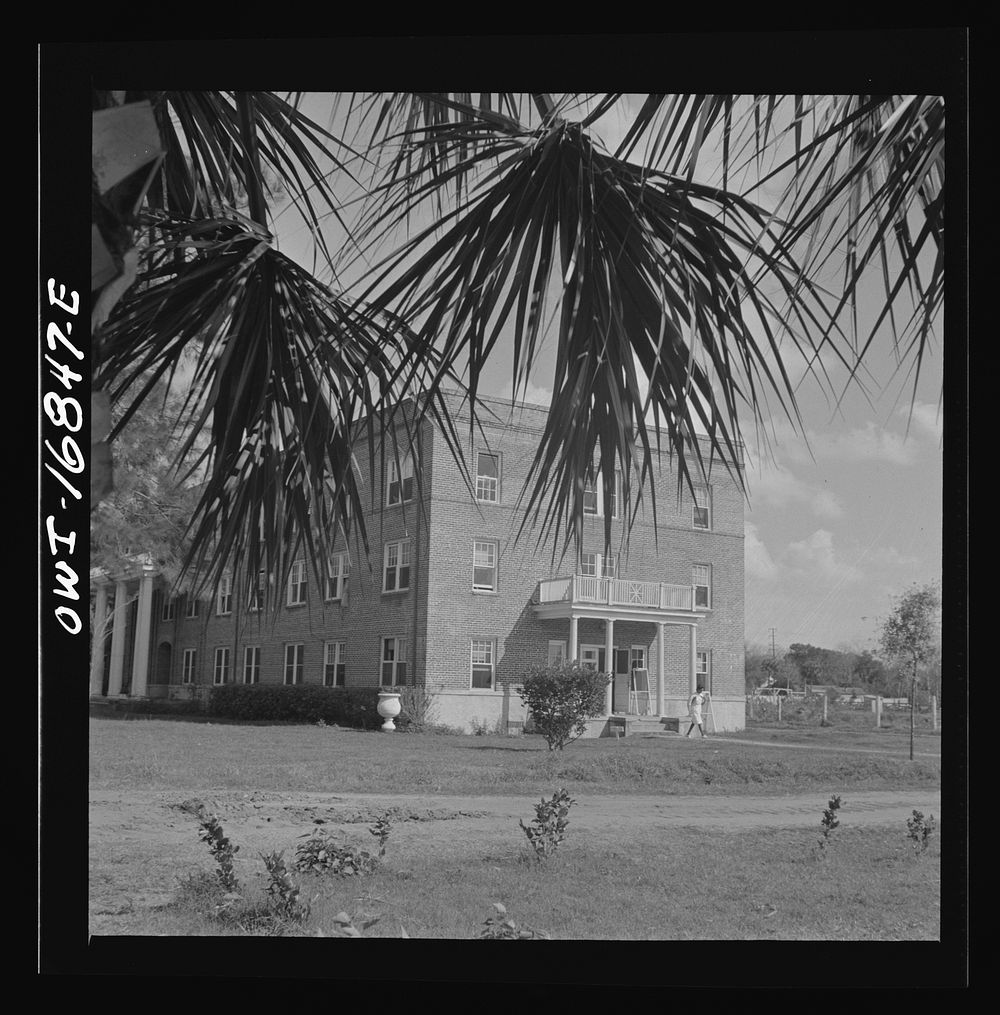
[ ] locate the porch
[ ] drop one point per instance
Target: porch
(615, 601)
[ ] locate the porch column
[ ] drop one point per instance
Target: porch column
(143, 629)
(118, 640)
(694, 658)
(661, 630)
(573, 650)
(97, 645)
(609, 661)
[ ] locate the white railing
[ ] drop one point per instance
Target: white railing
(583, 588)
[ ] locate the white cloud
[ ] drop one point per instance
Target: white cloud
(815, 556)
(870, 443)
(533, 394)
(775, 486)
(925, 420)
(758, 562)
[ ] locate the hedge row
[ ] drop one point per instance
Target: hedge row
(343, 706)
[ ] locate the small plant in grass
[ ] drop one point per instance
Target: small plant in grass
(283, 890)
(830, 820)
(323, 854)
(500, 927)
(920, 831)
(210, 831)
(548, 829)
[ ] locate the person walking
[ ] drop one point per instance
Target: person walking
(694, 711)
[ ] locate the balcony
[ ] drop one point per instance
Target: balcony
(556, 596)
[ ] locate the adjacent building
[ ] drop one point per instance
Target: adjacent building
(450, 601)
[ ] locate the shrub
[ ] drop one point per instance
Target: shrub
(561, 698)
(321, 853)
(546, 832)
(210, 831)
(500, 927)
(830, 820)
(305, 703)
(418, 711)
(283, 890)
(920, 831)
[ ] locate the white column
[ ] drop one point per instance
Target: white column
(143, 629)
(97, 645)
(661, 675)
(694, 658)
(118, 640)
(609, 660)
(574, 648)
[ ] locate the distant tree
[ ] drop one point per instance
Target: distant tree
(910, 634)
(870, 672)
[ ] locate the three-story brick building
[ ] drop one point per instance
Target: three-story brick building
(450, 601)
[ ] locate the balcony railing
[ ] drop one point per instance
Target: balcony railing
(581, 588)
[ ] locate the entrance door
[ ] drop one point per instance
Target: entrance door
(619, 689)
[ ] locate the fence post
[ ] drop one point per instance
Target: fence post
(824, 709)
(779, 708)
(878, 711)
(933, 711)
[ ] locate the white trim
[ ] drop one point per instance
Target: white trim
(492, 642)
(495, 566)
(403, 562)
(400, 653)
(495, 480)
(222, 656)
(255, 668)
(297, 587)
(297, 663)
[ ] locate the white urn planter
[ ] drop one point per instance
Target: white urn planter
(389, 707)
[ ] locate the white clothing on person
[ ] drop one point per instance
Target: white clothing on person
(694, 708)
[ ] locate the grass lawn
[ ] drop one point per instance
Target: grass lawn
(172, 754)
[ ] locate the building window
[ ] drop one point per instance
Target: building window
(397, 566)
(257, 594)
(224, 602)
(488, 477)
(393, 661)
(400, 487)
(293, 663)
(701, 579)
(251, 664)
(637, 657)
(557, 653)
(590, 498)
(190, 664)
(593, 496)
(484, 566)
(221, 669)
(483, 663)
(192, 608)
(597, 565)
(703, 668)
(169, 610)
(337, 572)
(297, 584)
(335, 664)
(701, 510)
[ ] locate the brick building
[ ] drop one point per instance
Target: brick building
(451, 602)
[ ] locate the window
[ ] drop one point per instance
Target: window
(590, 492)
(701, 579)
(169, 610)
(400, 481)
(483, 663)
(190, 665)
(335, 664)
(484, 566)
(224, 603)
(596, 565)
(251, 664)
(557, 653)
(257, 594)
(337, 570)
(488, 477)
(637, 657)
(293, 663)
(703, 668)
(593, 495)
(701, 510)
(297, 584)
(192, 608)
(393, 661)
(397, 566)
(221, 669)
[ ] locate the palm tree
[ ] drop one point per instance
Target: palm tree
(674, 292)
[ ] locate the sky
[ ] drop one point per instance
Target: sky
(841, 514)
